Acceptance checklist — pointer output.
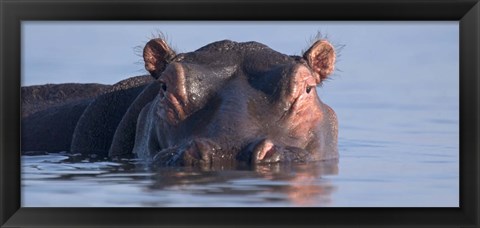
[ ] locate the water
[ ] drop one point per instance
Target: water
(129, 184)
(392, 154)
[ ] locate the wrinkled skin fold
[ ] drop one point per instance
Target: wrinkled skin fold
(226, 102)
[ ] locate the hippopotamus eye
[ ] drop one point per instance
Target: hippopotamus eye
(309, 88)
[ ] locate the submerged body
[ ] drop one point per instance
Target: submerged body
(223, 103)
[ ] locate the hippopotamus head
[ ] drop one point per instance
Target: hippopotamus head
(230, 101)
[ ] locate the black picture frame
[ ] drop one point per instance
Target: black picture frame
(12, 12)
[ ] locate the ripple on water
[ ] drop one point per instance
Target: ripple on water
(52, 158)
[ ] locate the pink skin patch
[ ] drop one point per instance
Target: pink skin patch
(175, 97)
(305, 110)
(263, 150)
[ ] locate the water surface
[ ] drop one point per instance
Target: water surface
(392, 154)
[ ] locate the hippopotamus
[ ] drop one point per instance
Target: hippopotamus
(223, 103)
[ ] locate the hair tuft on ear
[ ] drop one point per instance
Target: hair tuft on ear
(157, 54)
(321, 58)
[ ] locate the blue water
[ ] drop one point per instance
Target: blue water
(399, 147)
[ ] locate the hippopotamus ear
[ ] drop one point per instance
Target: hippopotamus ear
(321, 59)
(157, 54)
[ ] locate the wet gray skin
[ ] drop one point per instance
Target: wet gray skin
(224, 103)
(231, 101)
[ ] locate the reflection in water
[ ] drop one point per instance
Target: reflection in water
(65, 180)
(306, 186)
(299, 184)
